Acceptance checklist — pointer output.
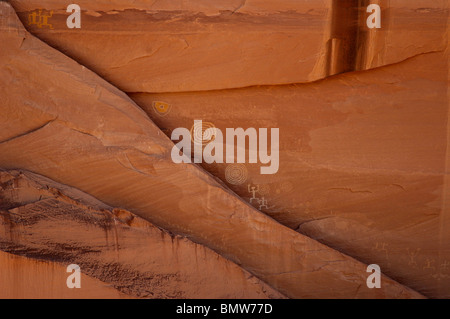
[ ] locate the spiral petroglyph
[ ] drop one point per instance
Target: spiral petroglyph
(264, 189)
(200, 133)
(236, 174)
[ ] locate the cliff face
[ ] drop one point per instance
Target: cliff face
(363, 118)
(362, 160)
(109, 244)
(173, 46)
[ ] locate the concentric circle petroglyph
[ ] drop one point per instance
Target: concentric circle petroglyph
(264, 189)
(203, 133)
(161, 108)
(236, 174)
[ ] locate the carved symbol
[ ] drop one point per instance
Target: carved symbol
(382, 248)
(412, 256)
(40, 18)
(428, 264)
(445, 265)
(253, 190)
(161, 108)
(200, 135)
(440, 276)
(264, 189)
(236, 174)
(263, 203)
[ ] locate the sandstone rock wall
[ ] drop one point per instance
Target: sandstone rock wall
(41, 220)
(208, 45)
(364, 139)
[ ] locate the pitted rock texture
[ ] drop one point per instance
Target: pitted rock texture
(51, 222)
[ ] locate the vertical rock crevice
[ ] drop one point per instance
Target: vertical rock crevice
(342, 46)
(350, 39)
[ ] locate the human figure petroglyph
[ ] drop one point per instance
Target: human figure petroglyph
(253, 190)
(412, 256)
(263, 203)
(382, 248)
(429, 264)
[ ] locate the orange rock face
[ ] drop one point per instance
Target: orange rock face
(362, 161)
(363, 120)
(135, 257)
(210, 45)
(23, 277)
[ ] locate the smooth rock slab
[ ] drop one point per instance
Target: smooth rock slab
(173, 46)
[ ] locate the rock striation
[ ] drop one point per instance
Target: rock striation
(179, 46)
(44, 220)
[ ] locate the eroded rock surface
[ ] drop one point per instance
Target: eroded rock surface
(23, 277)
(47, 221)
(64, 122)
(362, 161)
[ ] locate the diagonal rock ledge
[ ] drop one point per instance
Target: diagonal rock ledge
(45, 220)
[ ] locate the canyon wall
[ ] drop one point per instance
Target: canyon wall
(363, 116)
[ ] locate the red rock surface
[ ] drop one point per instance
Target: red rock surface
(112, 245)
(28, 278)
(364, 161)
(173, 46)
